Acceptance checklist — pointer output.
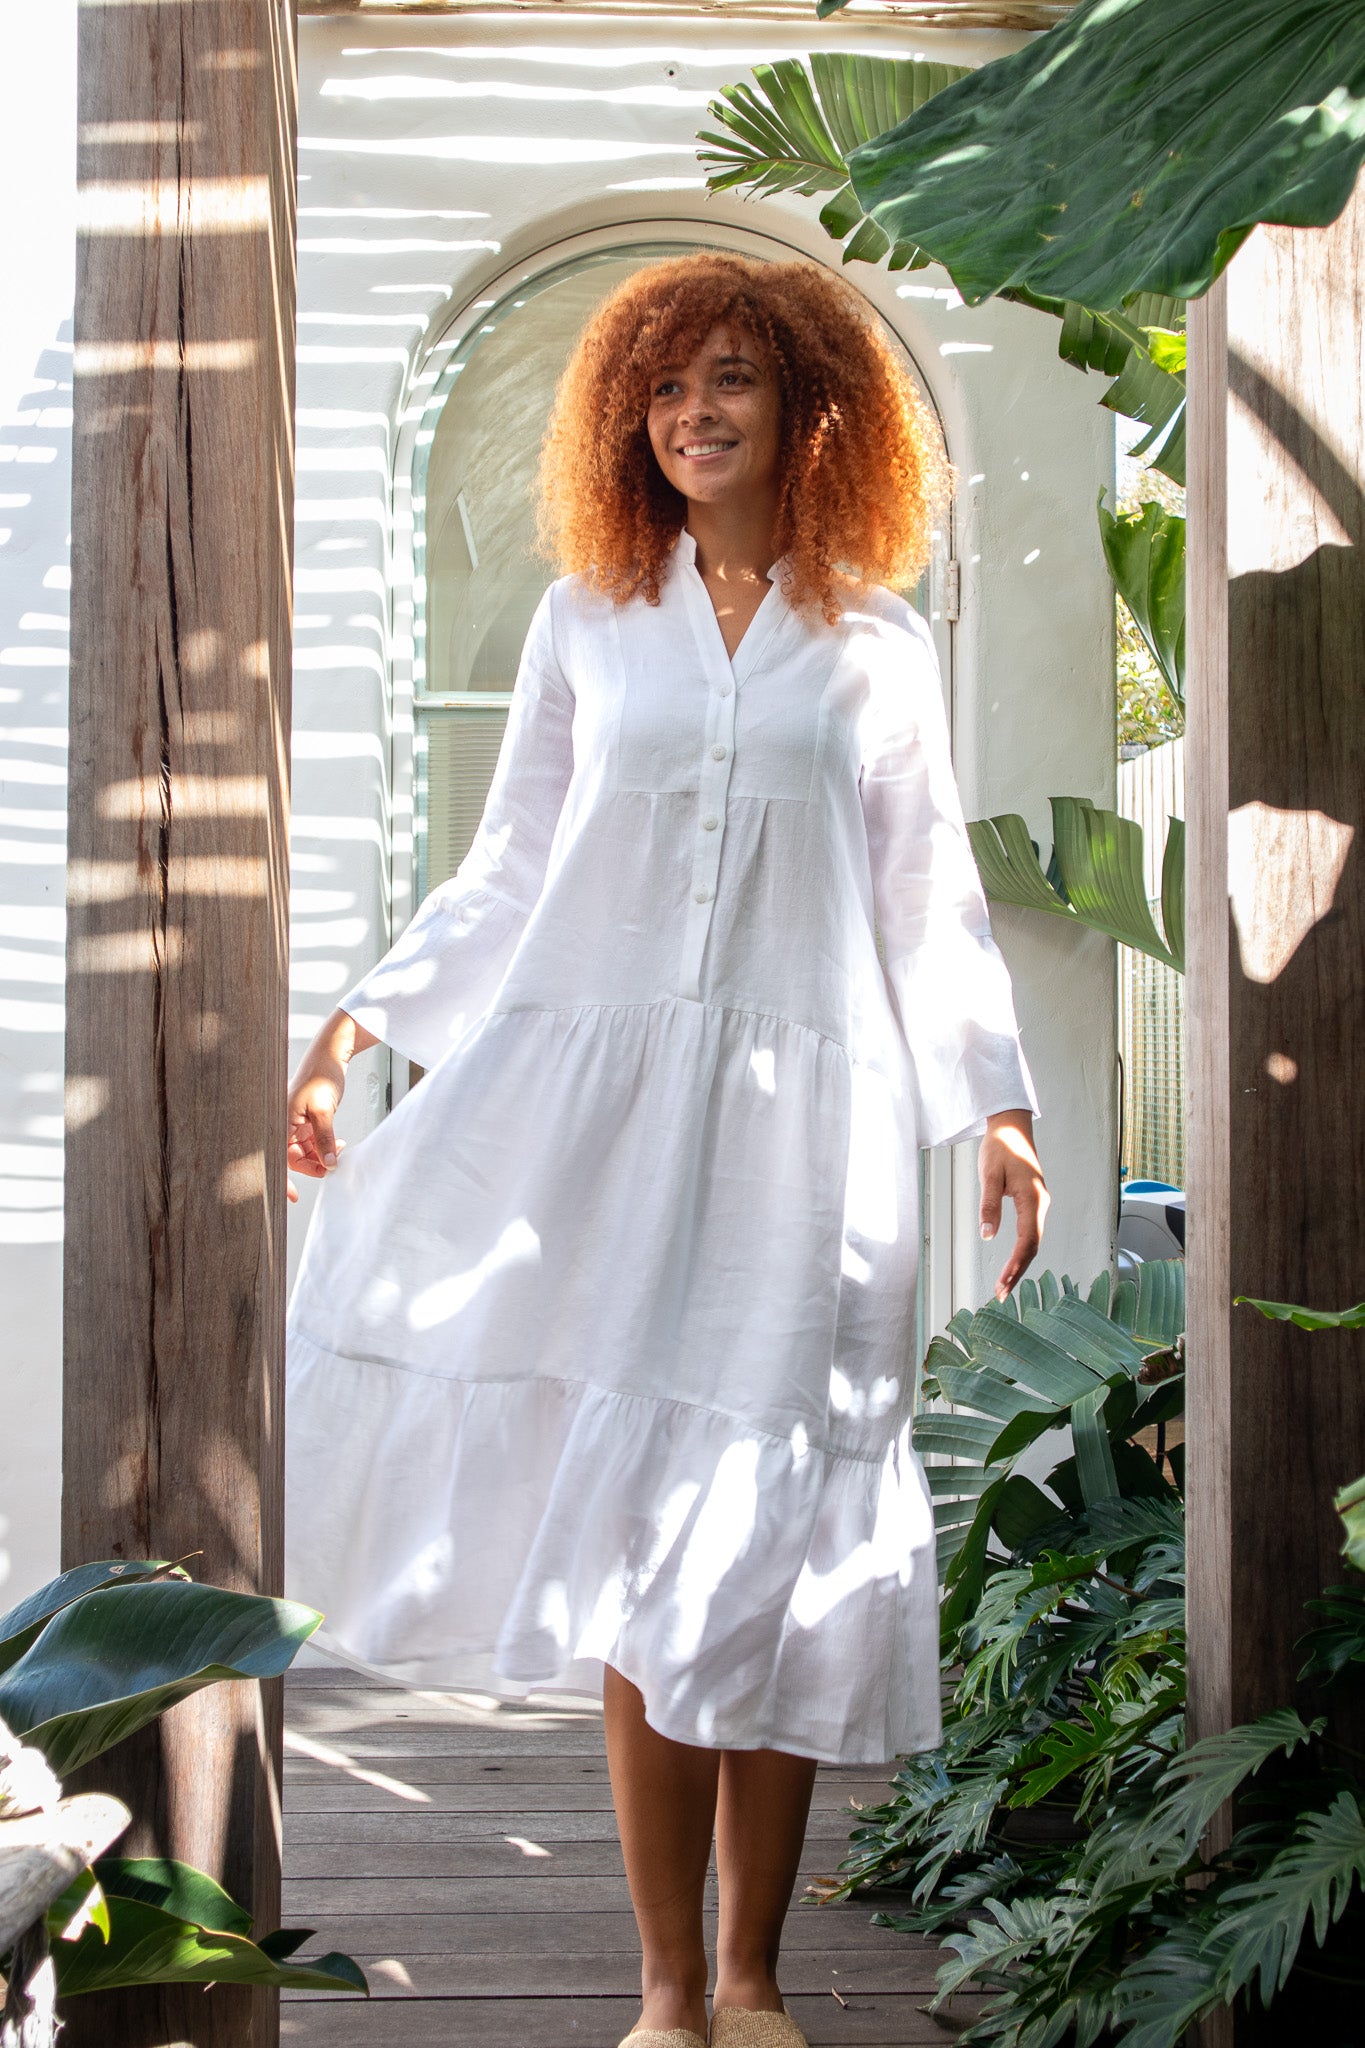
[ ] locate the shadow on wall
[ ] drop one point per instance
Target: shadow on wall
(35, 491)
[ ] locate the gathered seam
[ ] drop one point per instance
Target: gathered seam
(873, 1460)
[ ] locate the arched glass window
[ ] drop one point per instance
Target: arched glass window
(477, 577)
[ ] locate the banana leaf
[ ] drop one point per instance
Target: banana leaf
(1145, 551)
(170, 1924)
(1098, 860)
(24, 1623)
(1133, 147)
(109, 1663)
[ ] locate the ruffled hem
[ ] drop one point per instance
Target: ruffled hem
(511, 1536)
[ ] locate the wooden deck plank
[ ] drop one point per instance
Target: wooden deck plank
(465, 1853)
(574, 1933)
(555, 1891)
(342, 1791)
(493, 1854)
(396, 1973)
(867, 2022)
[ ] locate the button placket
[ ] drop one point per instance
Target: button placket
(713, 784)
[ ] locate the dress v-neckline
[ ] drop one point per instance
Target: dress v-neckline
(758, 631)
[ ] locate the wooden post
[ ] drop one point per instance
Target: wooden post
(177, 985)
(1275, 768)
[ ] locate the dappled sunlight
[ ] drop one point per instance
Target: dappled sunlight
(1284, 868)
(518, 1245)
(307, 1746)
(34, 627)
(720, 1534)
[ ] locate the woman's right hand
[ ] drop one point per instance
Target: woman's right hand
(313, 1144)
(315, 1095)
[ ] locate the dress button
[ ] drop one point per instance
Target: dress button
(702, 895)
(725, 689)
(709, 824)
(718, 753)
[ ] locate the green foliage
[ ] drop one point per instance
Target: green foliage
(1146, 557)
(1131, 148)
(1096, 875)
(1350, 1502)
(1308, 1318)
(109, 1662)
(796, 128)
(169, 1924)
(1056, 1838)
(84, 1662)
(26, 1622)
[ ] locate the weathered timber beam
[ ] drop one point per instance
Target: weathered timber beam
(1275, 789)
(1019, 15)
(177, 973)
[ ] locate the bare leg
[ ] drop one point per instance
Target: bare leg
(665, 1797)
(764, 1802)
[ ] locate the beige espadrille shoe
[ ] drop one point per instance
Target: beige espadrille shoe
(736, 2027)
(663, 2037)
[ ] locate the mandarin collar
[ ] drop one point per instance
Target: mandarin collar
(685, 552)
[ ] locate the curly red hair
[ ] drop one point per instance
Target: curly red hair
(862, 463)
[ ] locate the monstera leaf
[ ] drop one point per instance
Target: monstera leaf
(1131, 148)
(1096, 876)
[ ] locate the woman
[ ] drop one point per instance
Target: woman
(602, 1351)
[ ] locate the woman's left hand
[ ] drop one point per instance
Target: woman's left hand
(1008, 1165)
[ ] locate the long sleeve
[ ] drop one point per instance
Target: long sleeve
(950, 984)
(443, 971)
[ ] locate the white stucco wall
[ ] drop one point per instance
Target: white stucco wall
(437, 155)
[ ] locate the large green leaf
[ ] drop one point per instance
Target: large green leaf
(792, 131)
(1133, 147)
(1308, 1318)
(1099, 861)
(1145, 551)
(1350, 1505)
(176, 1888)
(1167, 1833)
(24, 1623)
(1313, 1875)
(111, 1662)
(147, 1945)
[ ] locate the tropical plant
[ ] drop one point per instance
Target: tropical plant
(1095, 877)
(1130, 149)
(1145, 551)
(1350, 1502)
(84, 1662)
(798, 129)
(1055, 1839)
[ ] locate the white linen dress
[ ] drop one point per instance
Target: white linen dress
(602, 1347)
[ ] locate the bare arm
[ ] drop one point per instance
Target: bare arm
(1008, 1165)
(315, 1092)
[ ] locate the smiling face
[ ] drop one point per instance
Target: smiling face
(715, 422)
